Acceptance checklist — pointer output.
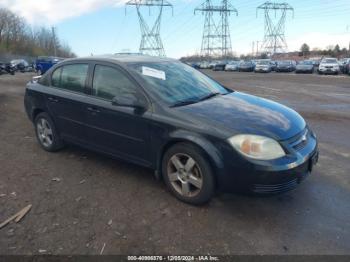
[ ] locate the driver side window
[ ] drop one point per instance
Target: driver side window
(109, 83)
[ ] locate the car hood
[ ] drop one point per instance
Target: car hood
(324, 65)
(238, 113)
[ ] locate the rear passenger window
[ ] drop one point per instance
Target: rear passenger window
(71, 77)
(109, 83)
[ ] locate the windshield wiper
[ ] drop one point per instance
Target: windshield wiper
(209, 96)
(193, 101)
(184, 103)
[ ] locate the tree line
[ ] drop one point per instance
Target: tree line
(334, 51)
(18, 37)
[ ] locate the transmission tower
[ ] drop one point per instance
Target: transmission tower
(216, 40)
(274, 39)
(151, 42)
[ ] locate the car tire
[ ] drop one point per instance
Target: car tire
(194, 186)
(46, 133)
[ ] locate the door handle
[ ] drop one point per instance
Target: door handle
(93, 110)
(53, 100)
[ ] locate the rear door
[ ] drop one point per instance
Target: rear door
(65, 100)
(121, 131)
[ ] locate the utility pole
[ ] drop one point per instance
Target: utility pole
(253, 48)
(53, 29)
(347, 30)
(216, 40)
(257, 47)
(151, 42)
(274, 39)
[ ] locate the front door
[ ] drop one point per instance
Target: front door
(121, 131)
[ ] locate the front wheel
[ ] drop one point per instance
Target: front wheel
(188, 174)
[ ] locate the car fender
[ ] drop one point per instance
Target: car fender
(203, 143)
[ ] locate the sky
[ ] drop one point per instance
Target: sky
(107, 26)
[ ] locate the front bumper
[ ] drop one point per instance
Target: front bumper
(279, 182)
(304, 70)
(271, 177)
(263, 70)
(245, 69)
(284, 69)
(328, 70)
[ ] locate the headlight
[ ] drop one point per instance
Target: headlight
(257, 147)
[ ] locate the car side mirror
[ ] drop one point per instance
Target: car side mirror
(129, 100)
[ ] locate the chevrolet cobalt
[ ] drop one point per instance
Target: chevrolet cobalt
(198, 136)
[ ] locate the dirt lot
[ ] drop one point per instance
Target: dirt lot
(101, 202)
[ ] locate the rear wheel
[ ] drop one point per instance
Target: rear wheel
(46, 133)
(188, 174)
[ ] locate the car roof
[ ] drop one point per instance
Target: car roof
(121, 58)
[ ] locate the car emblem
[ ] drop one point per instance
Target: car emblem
(304, 138)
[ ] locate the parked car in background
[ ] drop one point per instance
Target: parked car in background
(286, 66)
(232, 66)
(195, 65)
(197, 135)
(305, 66)
(212, 64)
(246, 66)
(44, 63)
(344, 65)
(21, 65)
(346, 69)
(204, 65)
(7, 68)
(329, 66)
(220, 66)
(273, 65)
(316, 61)
(263, 66)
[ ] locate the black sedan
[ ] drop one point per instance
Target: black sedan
(196, 134)
(246, 66)
(285, 66)
(219, 66)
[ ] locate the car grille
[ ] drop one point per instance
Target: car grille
(279, 188)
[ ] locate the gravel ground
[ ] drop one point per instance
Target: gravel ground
(84, 202)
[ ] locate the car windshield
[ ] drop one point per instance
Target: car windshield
(263, 63)
(247, 63)
(306, 63)
(177, 83)
(329, 61)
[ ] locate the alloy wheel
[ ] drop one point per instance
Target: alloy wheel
(45, 133)
(185, 175)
